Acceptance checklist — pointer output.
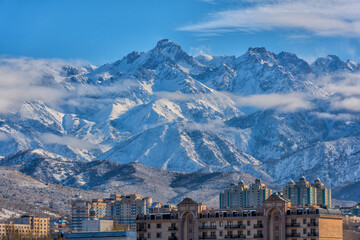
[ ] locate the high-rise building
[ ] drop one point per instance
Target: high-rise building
(257, 193)
(80, 210)
(323, 194)
(123, 209)
(302, 193)
(242, 196)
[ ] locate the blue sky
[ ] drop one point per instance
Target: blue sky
(104, 31)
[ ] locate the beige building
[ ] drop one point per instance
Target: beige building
(122, 209)
(97, 225)
(303, 193)
(241, 195)
(26, 226)
(276, 219)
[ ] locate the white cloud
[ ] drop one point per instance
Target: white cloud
(283, 102)
(73, 142)
(3, 136)
(338, 116)
(23, 79)
(321, 17)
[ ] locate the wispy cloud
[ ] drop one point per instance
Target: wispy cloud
(322, 17)
(73, 142)
(3, 136)
(282, 102)
(335, 116)
(23, 79)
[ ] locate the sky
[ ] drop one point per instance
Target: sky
(103, 31)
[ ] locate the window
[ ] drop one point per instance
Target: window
(220, 224)
(213, 234)
(149, 225)
(248, 233)
(221, 233)
(248, 223)
(213, 224)
(293, 221)
(158, 235)
(229, 233)
(304, 221)
(229, 223)
(158, 225)
(304, 231)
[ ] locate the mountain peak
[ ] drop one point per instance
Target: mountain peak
(328, 64)
(166, 43)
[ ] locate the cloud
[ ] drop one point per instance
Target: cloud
(335, 116)
(73, 142)
(24, 79)
(283, 102)
(322, 17)
(3, 137)
(345, 92)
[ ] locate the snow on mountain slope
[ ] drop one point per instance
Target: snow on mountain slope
(167, 109)
(325, 160)
(110, 177)
(177, 146)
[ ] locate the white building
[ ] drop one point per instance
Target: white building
(97, 225)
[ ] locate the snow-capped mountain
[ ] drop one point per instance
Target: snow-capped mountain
(274, 116)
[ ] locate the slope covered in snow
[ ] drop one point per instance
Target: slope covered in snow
(163, 108)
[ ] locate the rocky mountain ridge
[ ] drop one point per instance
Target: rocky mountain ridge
(273, 116)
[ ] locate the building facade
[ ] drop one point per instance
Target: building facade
(302, 193)
(122, 209)
(26, 226)
(276, 219)
(97, 225)
(241, 195)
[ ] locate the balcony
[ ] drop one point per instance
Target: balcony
(241, 236)
(207, 237)
(173, 228)
(293, 225)
(235, 226)
(258, 226)
(293, 235)
(173, 238)
(207, 227)
(313, 234)
(258, 236)
(313, 224)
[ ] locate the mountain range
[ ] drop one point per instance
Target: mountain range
(271, 116)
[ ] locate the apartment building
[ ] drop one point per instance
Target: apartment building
(241, 195)
(275, 219)
(122, 209)
(97, 225)
(26, 225)
(302, 193)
